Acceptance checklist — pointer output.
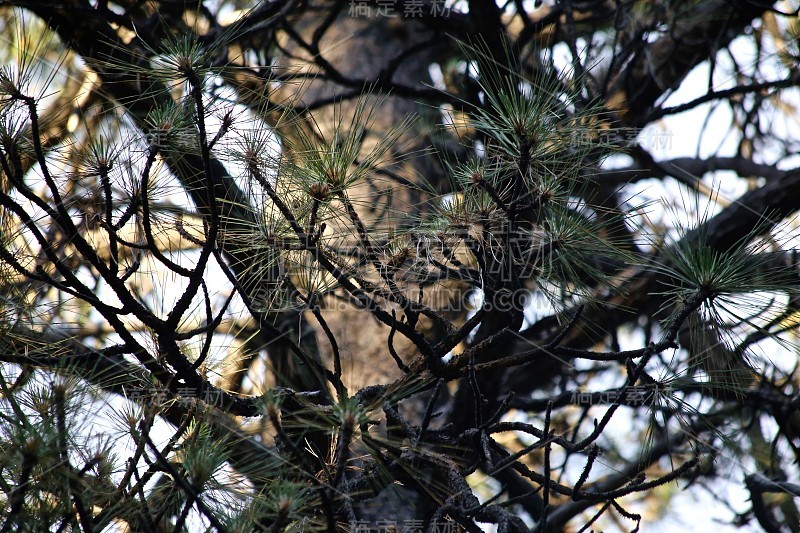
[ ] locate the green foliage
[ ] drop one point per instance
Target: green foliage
(172, 293)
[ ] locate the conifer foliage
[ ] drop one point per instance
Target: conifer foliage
(430, 266)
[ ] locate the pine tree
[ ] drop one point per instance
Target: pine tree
(339, 266)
